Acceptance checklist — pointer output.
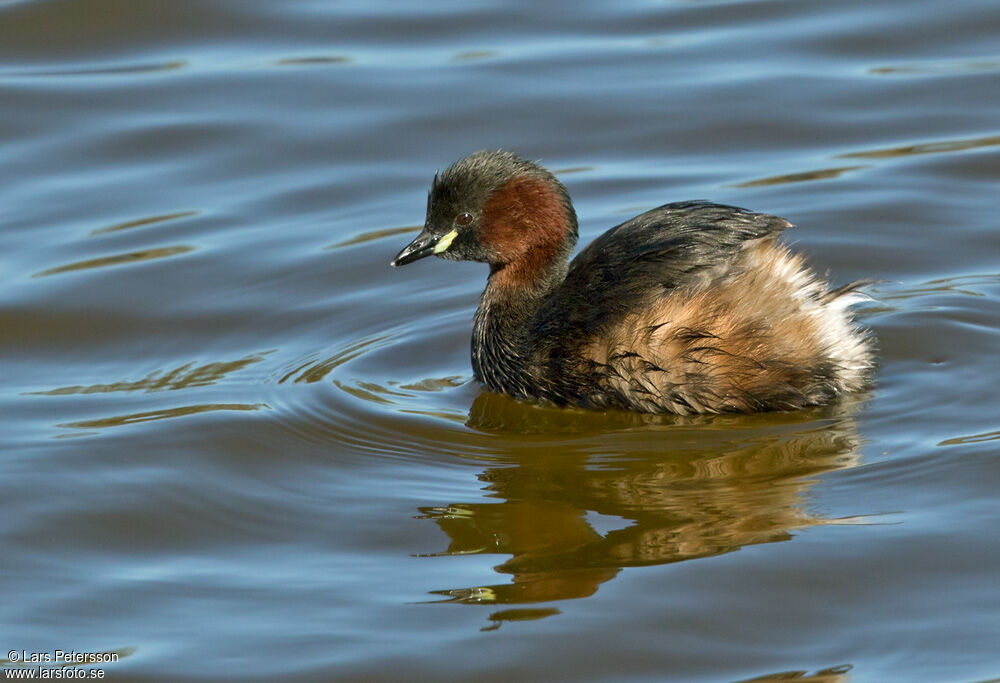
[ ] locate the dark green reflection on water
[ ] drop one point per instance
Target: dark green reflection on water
(663, 489)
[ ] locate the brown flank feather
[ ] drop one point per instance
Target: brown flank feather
(752, 341)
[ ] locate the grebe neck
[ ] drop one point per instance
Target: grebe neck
(501, 349)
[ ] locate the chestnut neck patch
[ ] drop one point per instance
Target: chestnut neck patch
(525, 224)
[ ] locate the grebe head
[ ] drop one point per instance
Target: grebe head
(495, 207)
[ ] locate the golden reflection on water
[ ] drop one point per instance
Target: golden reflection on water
(182, 377)
(313, 370)
(322, 60)
(819, 174)
(474, 56)
(693, 489)
(118, 259)
(939, 147)
(111, 70)
(974, 438)
(373, 235)
(926, 148)
(938, 67)
(164, 414)
(837, 674)
(434, 383)
(962, 284)
(143, 222)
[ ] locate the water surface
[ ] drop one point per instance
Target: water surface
(236, 445)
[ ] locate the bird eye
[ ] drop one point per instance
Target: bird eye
(463, 219)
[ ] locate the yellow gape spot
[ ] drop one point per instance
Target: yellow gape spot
(445, 242)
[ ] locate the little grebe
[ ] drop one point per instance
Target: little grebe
(691, 307)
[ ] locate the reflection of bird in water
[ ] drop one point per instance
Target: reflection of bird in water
(575, 511)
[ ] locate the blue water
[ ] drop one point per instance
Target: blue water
(236, 445)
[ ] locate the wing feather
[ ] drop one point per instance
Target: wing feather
(674, 245)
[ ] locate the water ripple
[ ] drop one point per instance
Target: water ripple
(111, 70)
(967, 285)
(119, 259)
(143, 222)
(315, 370)
(185, 376)
(804, 176)
(938, 147)
(314, 61)
(474, 56)
(162, 414)
(975, 438)
(963, 66)
(373, 235)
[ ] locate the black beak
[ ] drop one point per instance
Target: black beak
(420, 247)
